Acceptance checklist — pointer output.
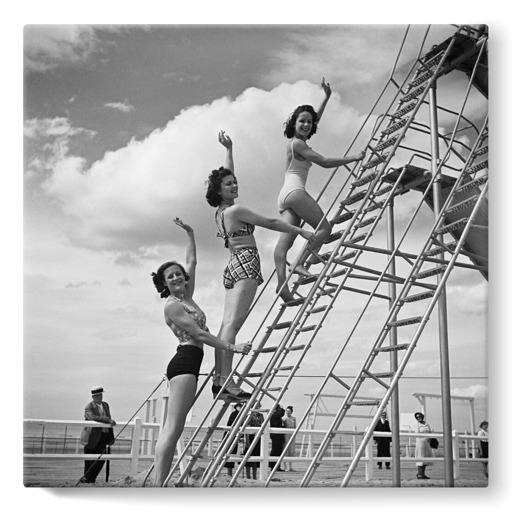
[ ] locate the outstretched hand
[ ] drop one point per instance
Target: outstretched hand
(326, 87)
(225, 140)
(242, 348)
(180, 223)
(360, 156)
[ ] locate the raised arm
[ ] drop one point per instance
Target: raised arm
(327, 90)
(190, 256)
(228, 144)
(305, 151)
(175, 312)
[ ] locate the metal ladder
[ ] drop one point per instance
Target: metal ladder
(323, 285)
(309, 304)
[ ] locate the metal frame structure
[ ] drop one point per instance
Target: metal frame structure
(399, 285)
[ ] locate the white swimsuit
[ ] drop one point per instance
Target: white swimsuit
(294, 179)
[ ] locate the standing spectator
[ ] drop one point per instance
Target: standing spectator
(255, 420)
(289, 421)
(383, 442)
(232, 417)
(423, 448)
(484, 445)
(277, 440)
(96, 439)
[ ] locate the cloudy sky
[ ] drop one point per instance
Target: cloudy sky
(120, 128)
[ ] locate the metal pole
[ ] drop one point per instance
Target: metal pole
(393, 362)
(441, 304)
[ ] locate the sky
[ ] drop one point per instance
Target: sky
(120, 126)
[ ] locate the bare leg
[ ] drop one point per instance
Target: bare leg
(301, 207)
(307, 209)
(181, 397)
(283, 245)
(237, 304)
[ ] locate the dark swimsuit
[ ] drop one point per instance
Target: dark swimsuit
(188, 357)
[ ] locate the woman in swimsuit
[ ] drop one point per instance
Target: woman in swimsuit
(242, 274)
(188, 323)
(294, 203)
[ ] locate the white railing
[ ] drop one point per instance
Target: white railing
(141, 433)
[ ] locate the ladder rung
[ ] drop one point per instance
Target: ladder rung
(283, 368)
(392, 348)
(412, 95)
(405, 110)
(295, 348)
(472, 184)
(266, 350)
(383, 375)
(356, 239)
(418, 296)
(375, 161)
(345, 257)
(365, 179)
(283, 325)
(306, 328)
(396, 126)
(354, 198)
(295, 302)
(405, 321)
(277, 388)
(365, 222)
(387, 143)
(462, 205)
(364, 403)
(338, 273)
(254, 375)
(319, 309)
(434, 61)
(343, 217)
(420, 79)
(430, 272)
(451, 227)
(383, 190)
(478, 167)
(374, 206)
(334, 236)
(438, 250)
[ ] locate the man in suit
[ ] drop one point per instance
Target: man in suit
(383, 442)
(99, 438)
(277, 440)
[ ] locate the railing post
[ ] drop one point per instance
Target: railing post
(265, 439)
(369, 462)
(136, 437)
(354, 442)
(456, 458)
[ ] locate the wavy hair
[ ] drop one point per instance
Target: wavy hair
(213, 185)
(159, 279)
(289, 125)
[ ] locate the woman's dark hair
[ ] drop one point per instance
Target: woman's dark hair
(213, 185)
(419, 414)
(290, 407)
(289, 126)
(159, 280)
(483, 423)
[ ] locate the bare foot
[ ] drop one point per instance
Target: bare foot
(285, 294)
(299, 269)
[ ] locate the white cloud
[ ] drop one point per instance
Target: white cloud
(126, 200)
(121, 106)
(475, 391)
(49, 46)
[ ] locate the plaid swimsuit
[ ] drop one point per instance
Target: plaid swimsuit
(244, 263)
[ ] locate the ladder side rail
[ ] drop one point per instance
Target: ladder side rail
(408, 353)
